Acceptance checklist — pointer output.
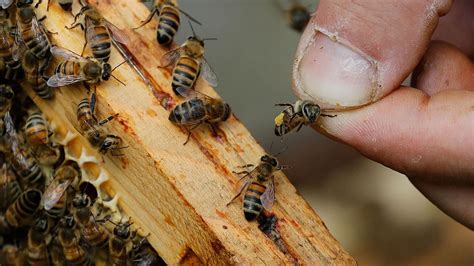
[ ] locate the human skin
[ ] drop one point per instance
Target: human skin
(354, 55)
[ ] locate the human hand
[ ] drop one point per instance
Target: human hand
(355, 54)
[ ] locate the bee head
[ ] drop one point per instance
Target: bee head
(67, 221)
(41, 224)
(7, 92)
(26, 14)
(110, 142)
(106, 71)
(299, 17)
(270, 160)
(227, 112)
(122, 230)
(81, 200)
(311, 111)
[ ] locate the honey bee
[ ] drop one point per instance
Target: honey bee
(296, 116)
(12, 66)
(11, 255)
(56, 195)
(23, 163)
(143, 254)
(38, 137)
(298, 15)
(31, 34)
(6, 99)
(198, 109)
(76, 68)
(66, 5)
(168, 21)
(10, 189)
(258, 187)
(6, 3)
(31, 66)
(74, 253)
(189, 62)
(118, 243)
(91, 128)
(36, 249)
(98, 32)
(20, 213)
(93, 233)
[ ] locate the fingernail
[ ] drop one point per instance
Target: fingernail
(334, 74)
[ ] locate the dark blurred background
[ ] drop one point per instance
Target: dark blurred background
(376, 214)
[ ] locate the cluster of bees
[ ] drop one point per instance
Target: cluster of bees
(49, 215)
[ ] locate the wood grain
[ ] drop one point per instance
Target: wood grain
(179, 193)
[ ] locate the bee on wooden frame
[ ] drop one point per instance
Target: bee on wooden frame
(75, 68)
(21, 212)
(298, 15)
(188, 63)
(92, 128)
(168, 21)
(297, 115)
(99, 32)
(258, 187)
(197, 109)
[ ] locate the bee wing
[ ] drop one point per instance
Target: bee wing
(12, 140)
(170, 57)
(6, 3)
(66, 54)
(117, 34)
(268, 197)
(58, 80)
(192, 94)
(54, 192)
(19, 46)
(207, 73)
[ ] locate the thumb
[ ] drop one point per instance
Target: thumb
(355, 52)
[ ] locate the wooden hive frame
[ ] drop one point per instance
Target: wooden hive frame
(179, 193)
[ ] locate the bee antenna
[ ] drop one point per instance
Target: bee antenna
(282, 151)
(192, 29)
(121, 82)
(118, 65)
(210, 39)
(271, 146)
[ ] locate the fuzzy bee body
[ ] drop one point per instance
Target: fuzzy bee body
(36, 250)
(26, 166)
(13, 67)
(32, 66)
(36, 129)
(296, 116)
(31, 32)
(93, 233)
(10, 189)
(11, 255)
(118, 254)
(200, 110)
(298, 17)
(100, 41)
(20, 213)
(185, 73)
(258, 187)
(74, 253)
(168, 23)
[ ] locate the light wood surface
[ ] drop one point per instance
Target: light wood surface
(179, 193)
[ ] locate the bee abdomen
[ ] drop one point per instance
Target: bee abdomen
(168, 25)
(252, 204)
(33, 176)
(188, 112)
(22, 210)
(59, 208)
(100, 43)
(36, 129)
(185, 73)
(39, 86)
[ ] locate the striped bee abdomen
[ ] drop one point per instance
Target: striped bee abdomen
(10, 191)
(68, 68)
(167, 25)
(252, 203)
(59, 208)
(37, 43)
(189, 112)
(100, 42)
(185, 73)
(28, 169)
(36, 129)
(23, 209)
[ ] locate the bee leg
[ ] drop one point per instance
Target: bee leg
(236, 196)
(189, 132)
(47, 7)
(108, 119)
(299, 127)
(92, 102)
(85, 43)
(148, 19)
(241, 172)
(326, 115)
(246, 165)
(75, 25)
